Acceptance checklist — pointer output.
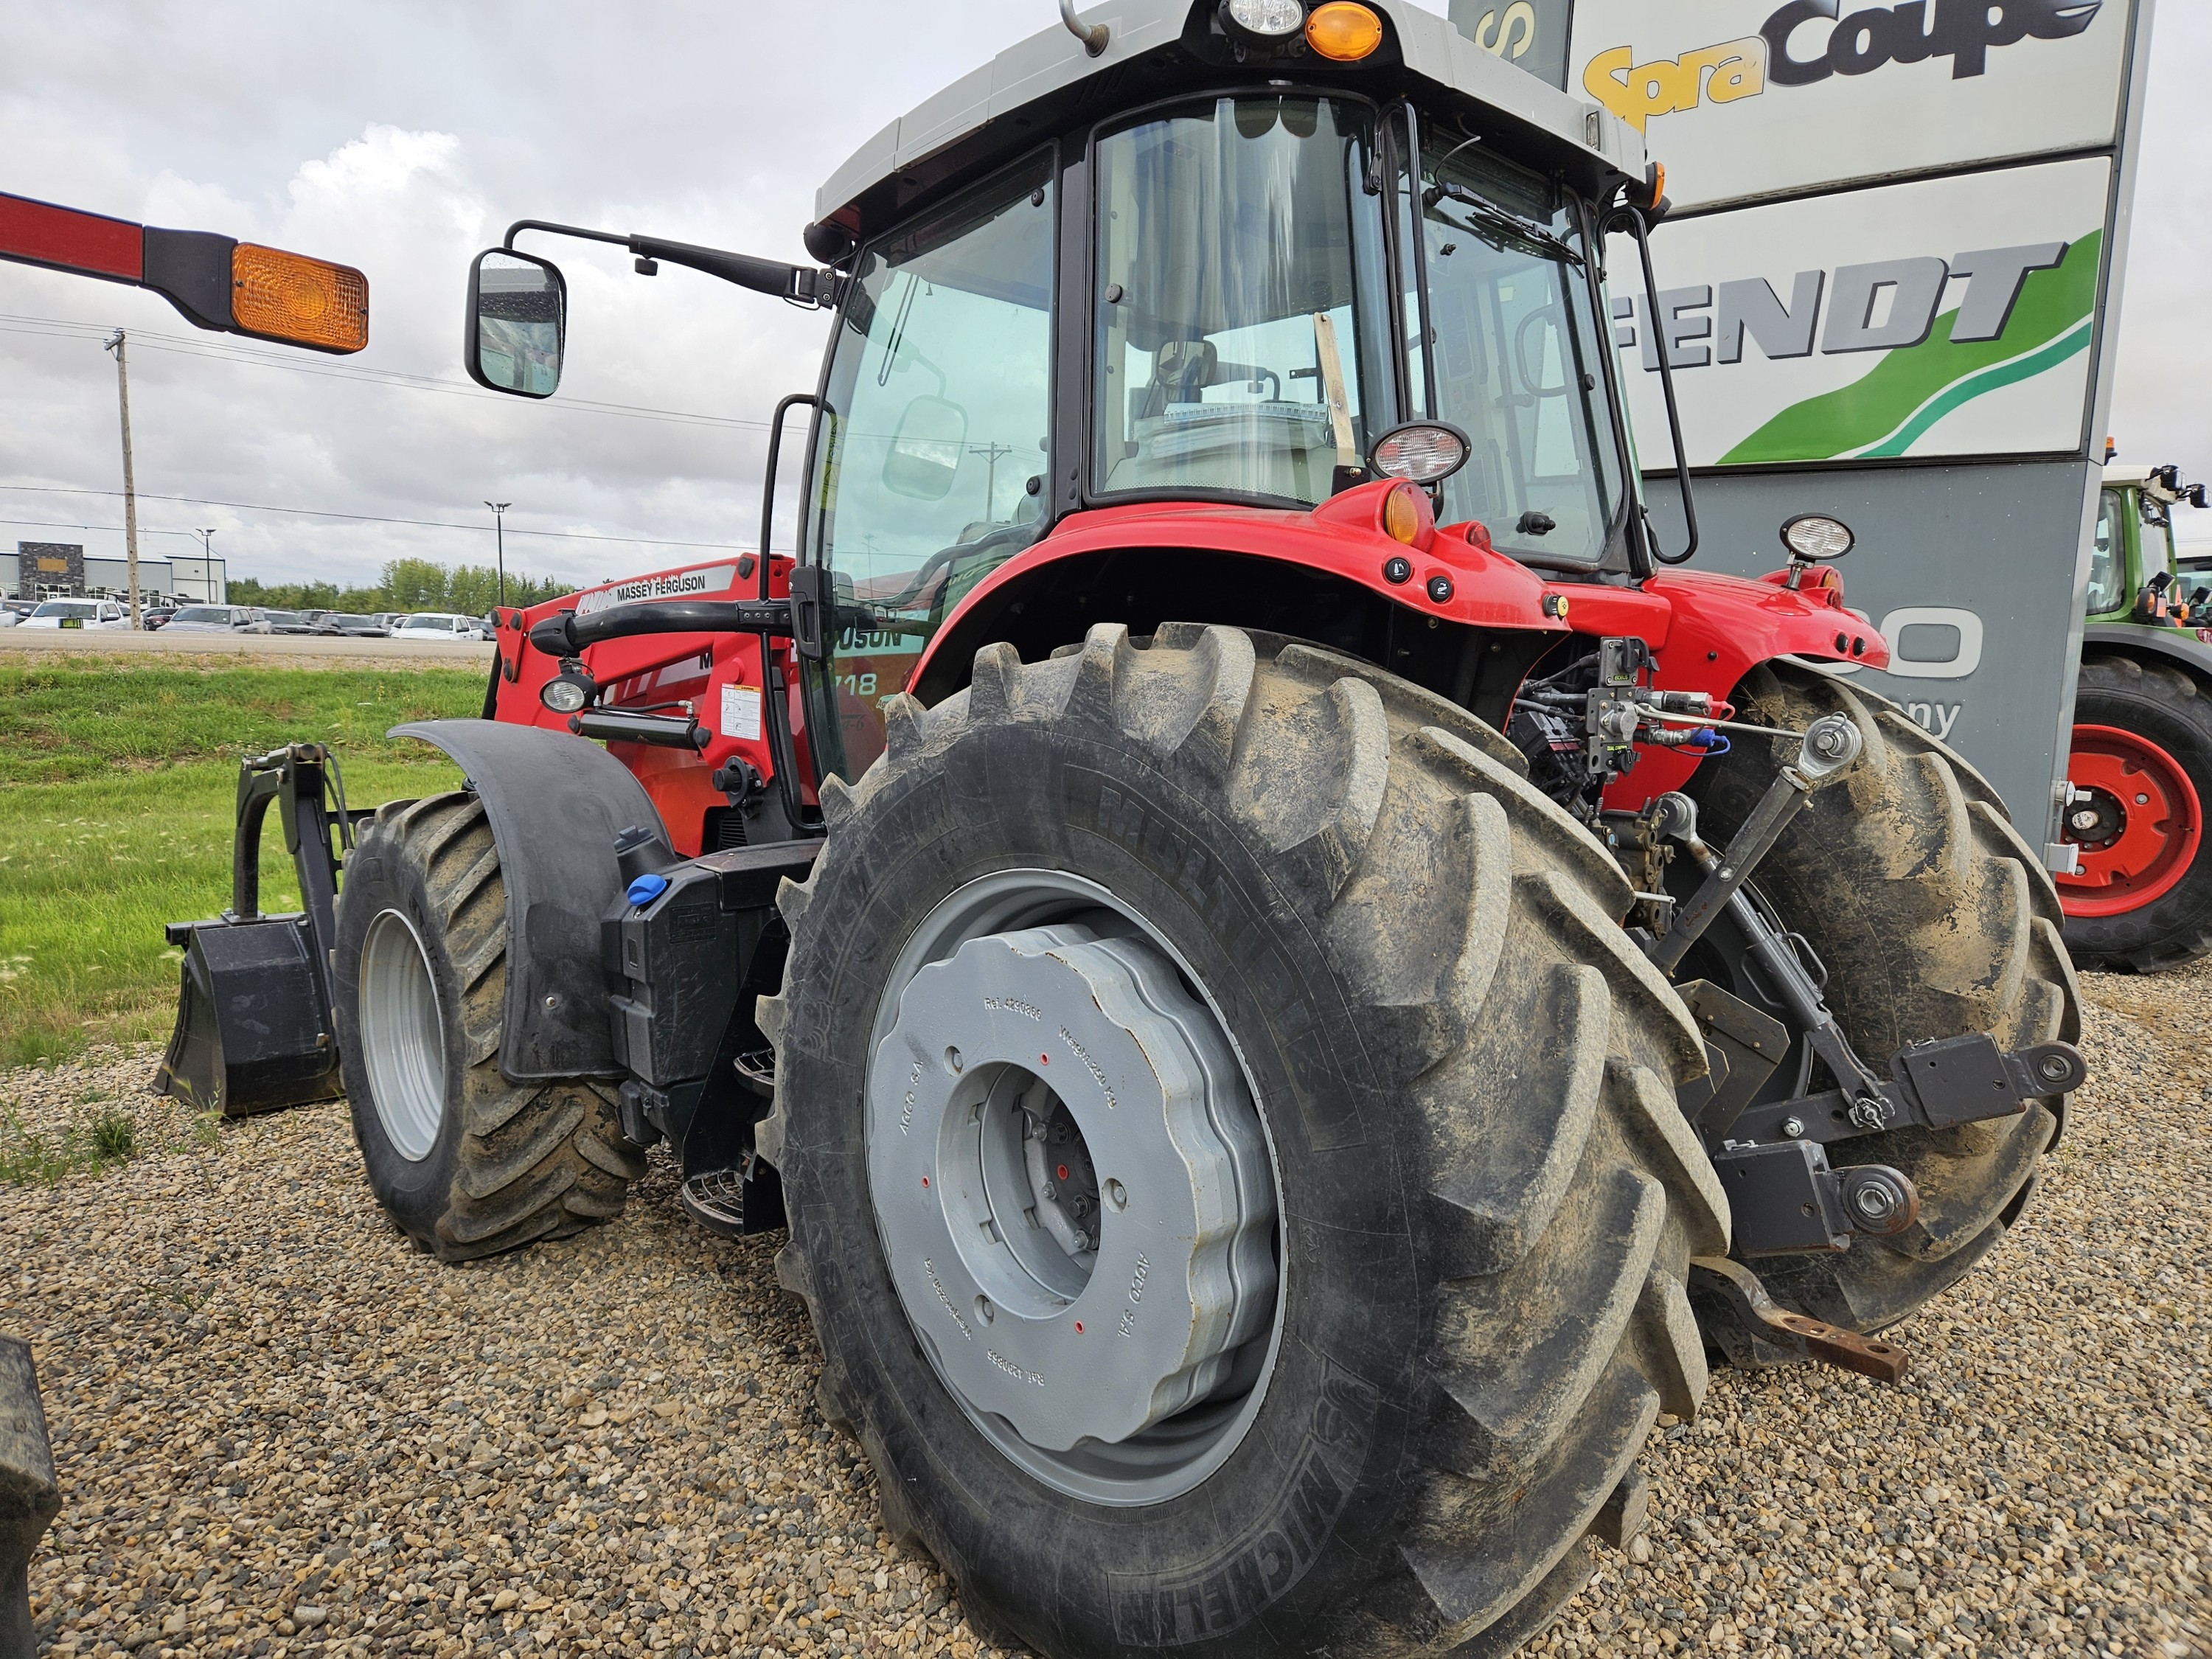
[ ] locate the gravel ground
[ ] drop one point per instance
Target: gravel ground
(280, 1430)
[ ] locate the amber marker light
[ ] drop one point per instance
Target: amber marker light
(277, 296)
(1344, 31)
(1401, 513)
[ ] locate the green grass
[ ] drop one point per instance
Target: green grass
(118, 785)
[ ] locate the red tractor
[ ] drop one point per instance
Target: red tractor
(1294, 986)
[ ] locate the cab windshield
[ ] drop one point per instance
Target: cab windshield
(1243, 333)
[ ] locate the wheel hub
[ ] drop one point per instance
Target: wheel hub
(1071, 1182)
(402, 1035)
(2138, 825)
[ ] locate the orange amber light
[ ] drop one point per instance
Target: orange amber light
(303, 301)
(1401, 513)
(1344, 31)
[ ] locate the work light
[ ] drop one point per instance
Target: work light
(1421, 452)
(1814, 536)
(568, 691)
(1266, 19)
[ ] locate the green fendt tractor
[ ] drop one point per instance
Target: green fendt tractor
(2140, 899)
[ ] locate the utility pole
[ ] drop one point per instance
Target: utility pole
(207, 568)
(992, 454)
(499, 516)
(118, 346)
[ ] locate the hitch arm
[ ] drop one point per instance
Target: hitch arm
(1735, 1291)
(1831, 747)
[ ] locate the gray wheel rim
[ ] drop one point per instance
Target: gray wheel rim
(1012, 1198)
(403, 1036)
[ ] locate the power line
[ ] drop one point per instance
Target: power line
(56, 328)
(368, 517)
(56, 524)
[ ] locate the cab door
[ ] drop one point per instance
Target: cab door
(932, 445)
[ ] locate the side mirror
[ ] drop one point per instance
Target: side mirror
(925, 452)
(517, 322)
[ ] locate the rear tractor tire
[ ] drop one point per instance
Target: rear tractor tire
(1232, 1156)
(2142, 753)
(465, 1162)
(1932, 919)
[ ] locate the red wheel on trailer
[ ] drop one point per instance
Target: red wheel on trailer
(2139, 828)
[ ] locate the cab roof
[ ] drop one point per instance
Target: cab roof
(2144, 478)
(1156, 47)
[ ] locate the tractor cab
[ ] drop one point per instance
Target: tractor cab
(2135, 574)
(1242, 259)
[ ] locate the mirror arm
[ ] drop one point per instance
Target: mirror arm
(800, 284)
(1633, 220)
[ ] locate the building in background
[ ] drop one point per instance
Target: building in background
(47, 570)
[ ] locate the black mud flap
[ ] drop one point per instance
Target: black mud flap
(253, 1026)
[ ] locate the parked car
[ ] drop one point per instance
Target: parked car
(288, 621)
(342, 622)
(78, 613)
(13, 611)
(152, 617)
(439, 625)
(218, 619)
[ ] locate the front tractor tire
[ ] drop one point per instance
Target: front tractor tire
(2143, 759)
(466, 1163)
(1932, 919)
(1232, 1156)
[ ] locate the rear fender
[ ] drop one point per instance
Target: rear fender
(1709, 630)
(2187, 648)
(555, 803)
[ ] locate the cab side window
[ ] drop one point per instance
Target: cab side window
(2107, 555)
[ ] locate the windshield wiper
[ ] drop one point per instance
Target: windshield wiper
(1496, 221)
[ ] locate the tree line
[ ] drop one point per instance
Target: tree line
(407, 585)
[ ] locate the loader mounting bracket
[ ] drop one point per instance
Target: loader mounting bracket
(254, 1031)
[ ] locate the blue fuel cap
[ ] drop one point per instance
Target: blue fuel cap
(646, 888)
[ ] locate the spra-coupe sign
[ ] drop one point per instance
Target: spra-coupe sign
(1743, 99)
(1961, 32)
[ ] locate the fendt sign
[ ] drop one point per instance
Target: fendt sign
(1938, 318)
(1886, 292)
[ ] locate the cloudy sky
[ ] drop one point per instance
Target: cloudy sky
(402, 137)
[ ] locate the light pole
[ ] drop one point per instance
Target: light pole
(207, 568)
(499, 519)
